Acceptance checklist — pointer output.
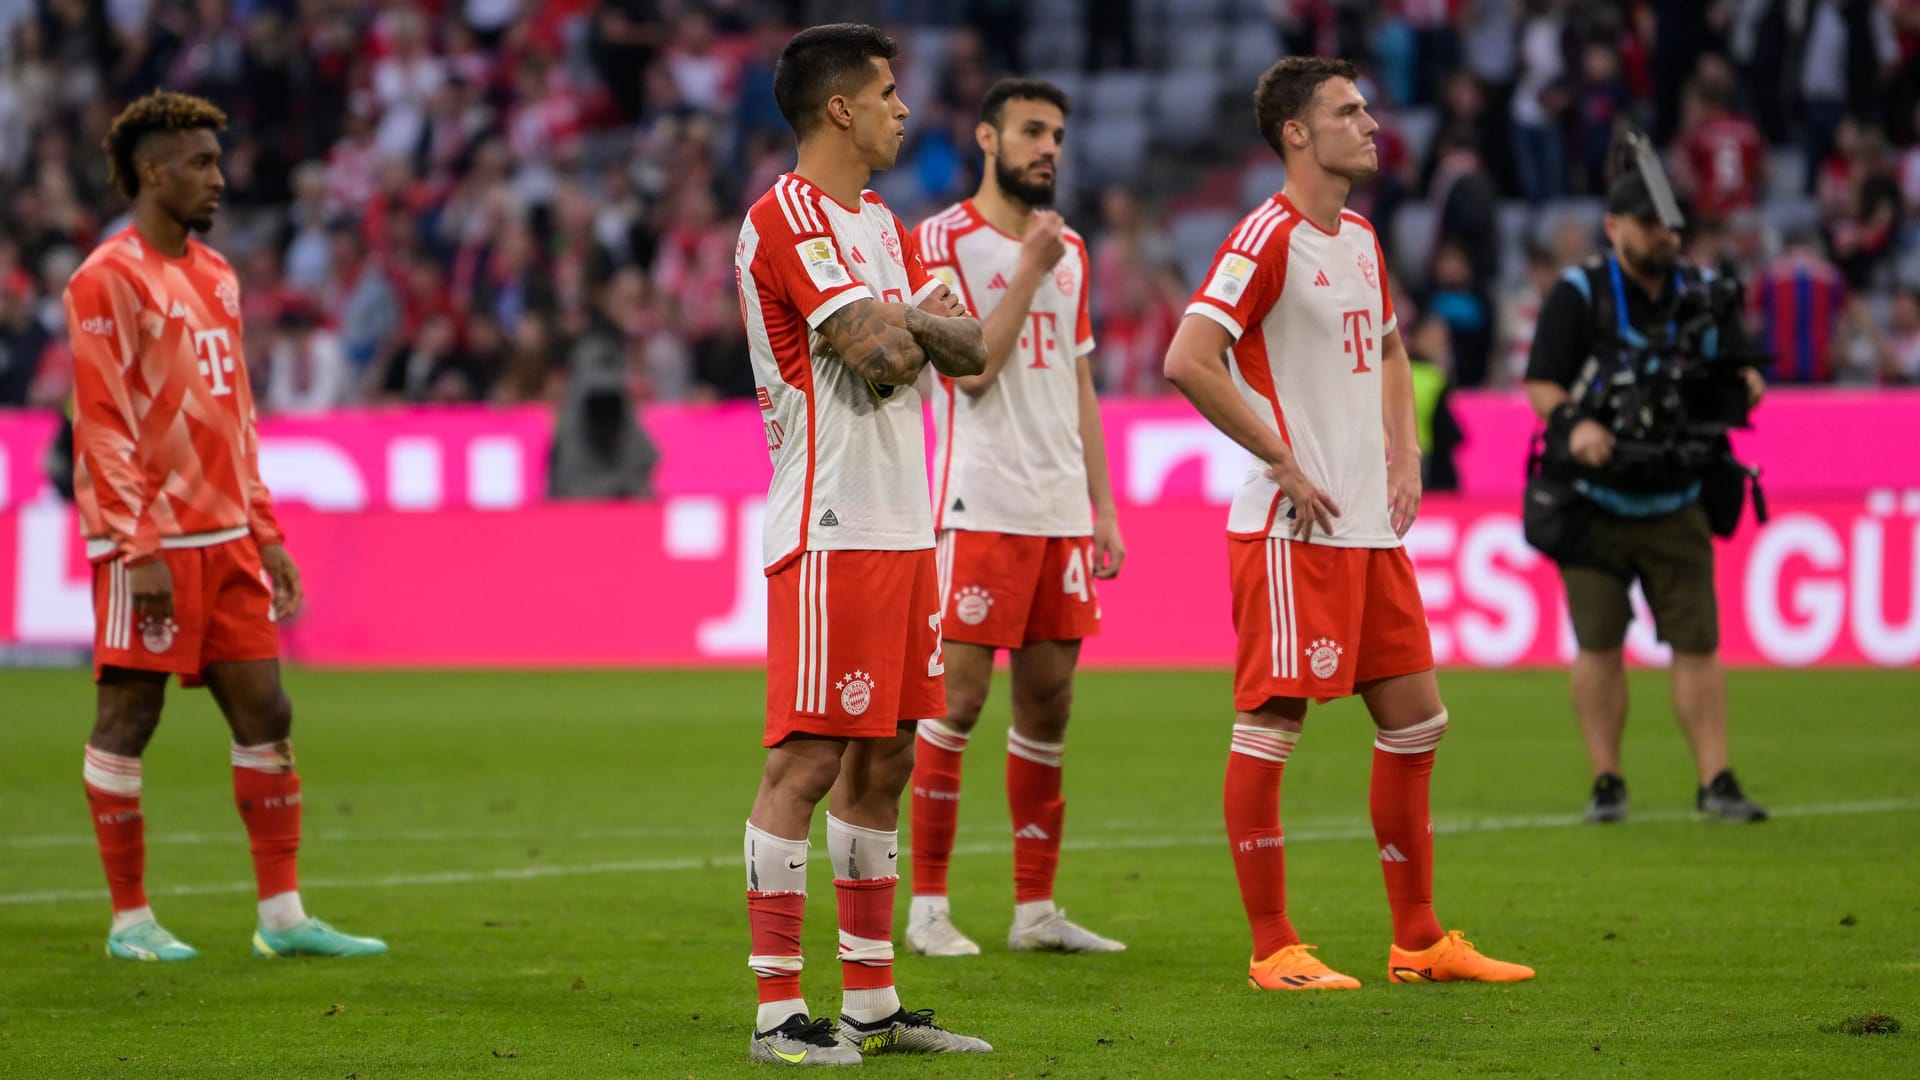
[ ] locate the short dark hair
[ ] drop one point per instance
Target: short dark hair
(822, 61)
(1287, 88)
(993, 107)
(160, 111)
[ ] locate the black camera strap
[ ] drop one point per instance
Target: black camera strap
(1623, 327)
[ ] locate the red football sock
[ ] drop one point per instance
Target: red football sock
(267, 791)
(774, 920)
(113, 801)
(1033, 795)
(1403, 826)
(1254, 766)
(866, 932)
(935, 808)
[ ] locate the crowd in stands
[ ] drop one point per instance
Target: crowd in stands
(469, 200)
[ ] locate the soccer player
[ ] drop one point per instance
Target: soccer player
(1317, 388)
(1019, 457)
(190, 571)
(841, 319)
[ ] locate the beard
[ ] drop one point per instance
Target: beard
(202, 225)
(1649, 264)
(1015, 183)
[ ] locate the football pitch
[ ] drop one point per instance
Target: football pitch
(555, 861)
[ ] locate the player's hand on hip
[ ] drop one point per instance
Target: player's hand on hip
(152, 588)
(1109, 550)
(1046, 240)
(1591, 443)
(287, 593)
(1403, 492)
(943, 303)
(1311, 506)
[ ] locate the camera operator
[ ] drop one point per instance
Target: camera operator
(1630, 513)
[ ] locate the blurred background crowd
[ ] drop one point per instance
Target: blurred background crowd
(492, 200)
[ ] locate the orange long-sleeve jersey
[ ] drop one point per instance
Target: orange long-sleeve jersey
(166, 450)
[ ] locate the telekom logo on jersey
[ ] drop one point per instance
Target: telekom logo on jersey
(1357, 329)
(215, 350)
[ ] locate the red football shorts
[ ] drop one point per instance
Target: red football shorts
(1314, 621)
(853, 644)
(1006, 591)
(222, 610)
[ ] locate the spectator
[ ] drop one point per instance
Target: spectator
(1469, 209)
(1798, 303)
(1604, 108)
(1720, 160)
(307, 370)
(1540, 103)
(705, 77)
(599, 449)
(1459, 301)
(625, 38)
(1429, 356)
(405, 82)
(722, 371)
(1137, 301)
(22, 340)
(1865, 216)
(531, 374)
(1519, 315)
(1903, 340)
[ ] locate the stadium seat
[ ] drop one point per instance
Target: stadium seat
(1254, 48)
(1196, 235)
(1119, 94)
(1071, 81)
(1786, 170)
(1259, 183)
(1412, 239)
(1055, 45)
(1185, 107)
(1417, 125)
(1113, 150)
(1199, 47)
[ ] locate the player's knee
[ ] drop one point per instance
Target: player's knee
(964, 704)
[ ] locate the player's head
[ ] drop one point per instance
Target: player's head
(165, 149)
(1646, 246)
(1022, 125)
(837, 78)
(1311, 112)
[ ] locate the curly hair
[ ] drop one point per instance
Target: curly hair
(160, 111)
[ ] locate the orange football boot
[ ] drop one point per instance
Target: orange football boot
(1451, 959)
(1293, 968)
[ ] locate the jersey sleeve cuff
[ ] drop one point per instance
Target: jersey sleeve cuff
(1392, 325)
(1082, 348)
(837, 301)
(926, 290)
(1201, 307)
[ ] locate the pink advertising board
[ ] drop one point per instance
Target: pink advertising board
(1812, 443)
(1829, 582)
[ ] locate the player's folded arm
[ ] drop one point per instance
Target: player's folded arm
(955, 345)
(875, 343)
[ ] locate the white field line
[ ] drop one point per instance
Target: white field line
(1188, 838)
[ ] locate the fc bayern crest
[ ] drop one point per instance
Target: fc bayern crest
(157, 633)
(856, 692)
(1063, 277)
(229, 295)
(971, 604)
(892, 243)
(1369, 271)
(1323, 658)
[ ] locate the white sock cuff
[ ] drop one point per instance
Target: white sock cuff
(1040, 753)
(862, 854)
(1417, 739)
(942, 736)
(1267, 744)
(770, 863)
(769, 967)
(273, 757)
(114, 774)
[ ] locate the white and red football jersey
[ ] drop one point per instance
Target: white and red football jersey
(849, 468)
(1309, 311)
(1010, 460)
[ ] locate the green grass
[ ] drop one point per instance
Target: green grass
(555, 861)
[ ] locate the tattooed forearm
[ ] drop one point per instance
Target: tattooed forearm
(955, 347)
(872, 338)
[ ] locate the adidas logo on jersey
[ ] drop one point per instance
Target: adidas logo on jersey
(1321, 278)
(857, 257)
(828, 518)
(1391, 853)
(999, 282)
(1033, 832)
(178, 311)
